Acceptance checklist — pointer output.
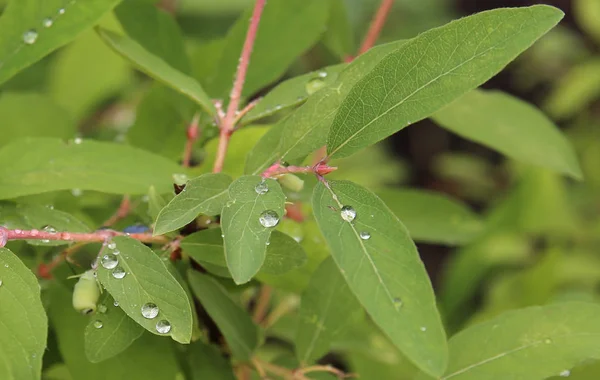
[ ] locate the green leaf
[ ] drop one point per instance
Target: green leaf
(432, 70)
(587, 13)
(287, 29)
(157, 68)
(207, 362)
(23, 322)
(245, 237)
(433, 217)
(328, 308)
(531, 343)
(147, 280)
(293, 92)
(18, 120)
(26, 19)
(117, 332)
(44, 218)
(339, 34)
(206, 194)
(155, 203)
(283, 252)
(512, 127)
(44, 164)
(383, 270)
(241, 334)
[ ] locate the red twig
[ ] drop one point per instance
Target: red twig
(376, 25)
(121, 213)
(320, 169)
(228, 122)
(192, 136)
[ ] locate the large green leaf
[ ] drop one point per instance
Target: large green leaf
(18, 120)
(207, 362)
(48, 219)
(206, 194)
(287, 29)
(432, 217)
(511, 126)
(116, 332)
(23, 322)
(382, 267)
(46, 26)
(531, 343)
(339, 36)
(42, 165)
(157, 68)
(146, 281)
(241, 334)
(328, 308)
(247, 221)
(431, 71)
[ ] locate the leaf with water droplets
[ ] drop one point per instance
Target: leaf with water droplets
(384, 272)
(241, 334)
(431, 70)
(206, 195)
(328, 308)
(23, 322)
(148, 280)
(118, 332)
(433, 217)
(158, 69)
(43, 164)
(247, 222)
(531, 343)
(512, 127)
(49, 219)
(26, 36)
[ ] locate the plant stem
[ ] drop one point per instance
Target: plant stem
(277, 169)
(228, 123)
(323, 368)
(262, 303)
(121, 213)
(376, 25)
(192, 136)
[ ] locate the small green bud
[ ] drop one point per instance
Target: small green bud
(291, 182)
(86, 293)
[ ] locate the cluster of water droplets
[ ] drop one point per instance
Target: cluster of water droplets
(151, 311)
(110, 261)
(30, 36)
(267, 218)
(348, 213)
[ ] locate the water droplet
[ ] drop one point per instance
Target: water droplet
(98, 324)
(102, 309)
(0, 282)
(112, 245)
(261, 188)
(49, 229)
(268, 242)
(47, 22)
(314, 85)
(423, 328)
(322, 74)
(269, 219)
(76, 192)
(109, 261)
(78, 140)
(5, 265)
(118, 273)
(397, 302)
(61, 11)
(116, 303)
(116, 252)
(278, 107)
(149, 310)
(348, 213)
(30, 36)
(163, 326)
(547, 341)
(365, 235)
(565, 373)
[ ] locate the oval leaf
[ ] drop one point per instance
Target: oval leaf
(432, 70)
(23, 321)
(245, 237)
(383, 271)
(147, 280)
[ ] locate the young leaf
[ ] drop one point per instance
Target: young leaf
(142, 285)
(241, 334)
(432, 70)
(23, 322)
(27, 35)
(328, 307)
(110, 332)
(512, 127)
(255, 207)
(206, 194)
(44, 164)
(158, 69)
(382, 267)
(532, 343)
(432, 217)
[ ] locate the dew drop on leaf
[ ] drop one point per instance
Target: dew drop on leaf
(397, 303)
(118, 273)
(109, 261)
(47, 22)
(314, 85)
(30, 36)
(149, 310)
(565, 373)
(0, 282)
(61, 11)
(365, 235)
(261, 188)
(163, 326)
(322, 74)
(112, 245)
(423, 328)
(116, 303)
(348, 213)
(98, 324)
(102, 309)
(76, 192)
(78, 140)
(269, 219)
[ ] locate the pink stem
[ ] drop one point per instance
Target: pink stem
(320, 169)
(376, 25)
(192, 136)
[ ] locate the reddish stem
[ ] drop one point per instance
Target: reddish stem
(376, 25)
(121, 213)
(192, 136)
(228, 122)
(320, 169)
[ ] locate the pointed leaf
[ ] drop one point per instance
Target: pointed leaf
(147, 280)
(156, 68)
(23, 322)
(245, 237)
(383, 271)
(23, 20)
(512, 127)
(432, 70)
(234, 322)
(206, 194)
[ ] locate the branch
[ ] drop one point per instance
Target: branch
(320, 169)
(192, 136)
(121, 213)
(376, 25)
(323, 368)
(262, 303)
(228, 123)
